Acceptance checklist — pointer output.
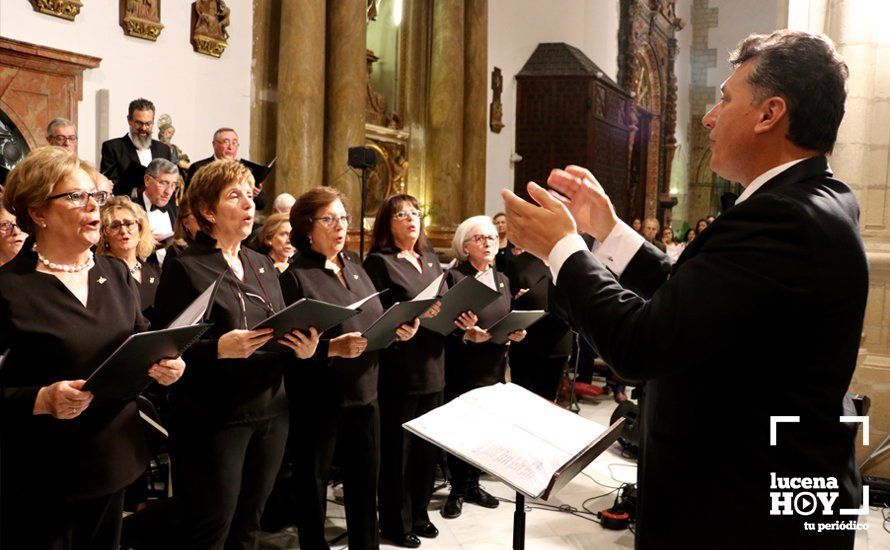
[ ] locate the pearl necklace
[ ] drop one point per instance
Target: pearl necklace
(67, 268)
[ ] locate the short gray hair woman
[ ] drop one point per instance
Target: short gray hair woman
(463, 233)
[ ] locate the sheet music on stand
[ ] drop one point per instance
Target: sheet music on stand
(530, 444)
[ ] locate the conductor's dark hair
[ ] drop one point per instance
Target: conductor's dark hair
(140, 104)
(381, 236)
(806, 71)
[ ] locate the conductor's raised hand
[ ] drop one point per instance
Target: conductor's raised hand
(63, 400)
(408, 330)
(167, 371)
(303, 345)
(537, 229)
(586, 200)
(348, 346)
(240, 344)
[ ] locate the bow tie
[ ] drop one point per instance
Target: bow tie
(156, 207)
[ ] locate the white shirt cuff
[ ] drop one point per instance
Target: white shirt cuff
(566, 246)
(619, 248)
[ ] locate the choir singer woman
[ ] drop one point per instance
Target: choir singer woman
(230, 411)
(127, 236)
(334, 403)
(66, 456)
(412, 374)
(470, 360)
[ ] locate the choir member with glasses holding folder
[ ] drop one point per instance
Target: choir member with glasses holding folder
(334, 398)
(66, 457)
(412, 374)
(230, 410)
(470, 360)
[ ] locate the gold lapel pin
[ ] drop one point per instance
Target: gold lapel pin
(151, 280)
(429, 264)
(102, 280)
(355, 276)
(262, 270)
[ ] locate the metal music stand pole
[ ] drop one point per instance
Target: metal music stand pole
(361, 239)
(519, 523)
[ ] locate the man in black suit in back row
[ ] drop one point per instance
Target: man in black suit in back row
(225, 146)
(760, 317)
(124, 159)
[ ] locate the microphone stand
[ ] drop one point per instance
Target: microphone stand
(361, 238)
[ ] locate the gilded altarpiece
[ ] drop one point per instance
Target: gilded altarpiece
(647, 53)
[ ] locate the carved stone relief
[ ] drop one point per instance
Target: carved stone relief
(209, 21)
(141, 18)
(496, 109)
(66, 9)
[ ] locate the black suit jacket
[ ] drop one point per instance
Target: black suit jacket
(259, 200)
(761, 315)
(3, 173)
(120, 163)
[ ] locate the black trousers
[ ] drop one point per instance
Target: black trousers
(541, 375)
(464, 476)
(407, 464)
(224, 477)
(42, 524)
(319, 431)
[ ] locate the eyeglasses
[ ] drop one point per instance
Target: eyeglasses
(164, 184)
(79, 198)
(481, 239)
(141, 124)
(117, 225)
(61, 140)
(227, 142)
(7, 228)
(332, 221)
(405, 214)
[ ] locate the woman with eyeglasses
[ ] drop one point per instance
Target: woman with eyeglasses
(66, 457)
(230, 411)
(470, 360)
(11, 236)
(126, 236)
(412, 374)
(184, 230)
(334, 398)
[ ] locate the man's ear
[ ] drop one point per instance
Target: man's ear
(773, 112)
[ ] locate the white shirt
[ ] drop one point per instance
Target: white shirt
(623, 242)
(143, 154)
(158, 220)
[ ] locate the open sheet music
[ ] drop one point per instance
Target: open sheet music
(531, 444)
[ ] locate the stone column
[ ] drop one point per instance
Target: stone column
(346, 94)
(301, 89)
(446, 114)
(264, 88)
(475, 105)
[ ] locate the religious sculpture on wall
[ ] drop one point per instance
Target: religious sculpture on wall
(375, 107)
(209, 21)
(66, 9)
(141, 18)
(496, 109)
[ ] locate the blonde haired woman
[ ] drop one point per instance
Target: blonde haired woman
(274, 240)
(126, 235)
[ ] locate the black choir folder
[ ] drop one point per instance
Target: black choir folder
(382, 332)
(530, 444)
(467, 295)
(124, 375)
(511, 322)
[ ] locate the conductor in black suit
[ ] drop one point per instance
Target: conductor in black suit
(225, 146)
(124, 158)
(775, 288)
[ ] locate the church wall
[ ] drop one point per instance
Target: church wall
(515, 28)
(201, 93)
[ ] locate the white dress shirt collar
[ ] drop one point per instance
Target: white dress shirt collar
(758, 182)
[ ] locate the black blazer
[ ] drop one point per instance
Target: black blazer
(762, 315)
(215, 392)
(469, 366)
(334, 381)
(52, 336)
(3, 173)
(120, 162)
(259, 200)
(415, 367)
